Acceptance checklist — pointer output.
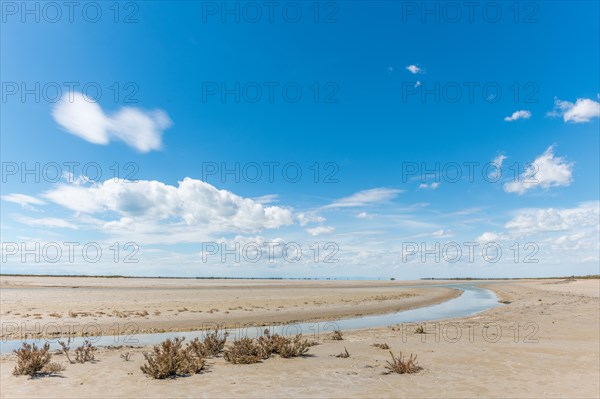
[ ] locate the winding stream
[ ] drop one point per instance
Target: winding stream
(473, 300)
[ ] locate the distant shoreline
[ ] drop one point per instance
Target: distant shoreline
(591, 276)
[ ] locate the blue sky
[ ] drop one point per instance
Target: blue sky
(399, 93)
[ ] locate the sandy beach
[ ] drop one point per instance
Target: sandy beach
(99, 306)
(543, 343)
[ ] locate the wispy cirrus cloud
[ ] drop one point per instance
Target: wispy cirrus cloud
(25, 201)
(365, 197)
(139, 129)
(320, 230)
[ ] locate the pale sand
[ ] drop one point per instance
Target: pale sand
(560, 360)
(41, 306)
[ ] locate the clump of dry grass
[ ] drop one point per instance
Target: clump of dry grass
(420, 329)
(126, 356)
(293, 347)
(171, 359)
(245, 351)
(33, 361)
(211, 346)
(399, 364)
(337, 335)
(85, 353)
(381, 346)
(344, 354)
(283, 346)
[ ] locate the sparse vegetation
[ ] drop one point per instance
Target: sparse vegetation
(211, 346)
(245, 351)
(337, 335)
(65, 349)
(293, 347)
(399, 364)
(33, 361)
(420, 329)
(126, 356)
(381, 346)
(85, 353)
(344, 354)
(171, 359)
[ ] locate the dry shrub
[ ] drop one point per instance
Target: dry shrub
(53, 368)
(284, 347)
(294, 347)
(211, 346)
(381, 346)
(399, 364)
(33, 361)
(344, 354)
(126, 356)
(420, 330)
(85, 353)
(337, 335)
(171, 359)
(245, 351)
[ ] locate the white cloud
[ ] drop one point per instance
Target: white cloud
(583, 110)
(548, 234)
(192, 203)
(414, 69)
(363, 215)
(417, 83)
(266, 199)
(489, 237)
(137, 128)
(304, 219)
(499, 160)
(543, 220)
(46, 222)
(366, 197)
(442, 233)
(546, 171)
(522, 114)
(320, 230)
(432, 186)
(25, 201)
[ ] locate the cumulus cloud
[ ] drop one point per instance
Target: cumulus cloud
(546, 171)
(583, 110)
(536, 221)
(191, 203)
(137, 128)
(320, 230)
(365, 197)
(305, 219)
(414, 69)
(554, 230)
(522, 114)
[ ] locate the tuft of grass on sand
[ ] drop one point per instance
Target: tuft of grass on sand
(171, 359)
(400, 365)
(34, 361)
